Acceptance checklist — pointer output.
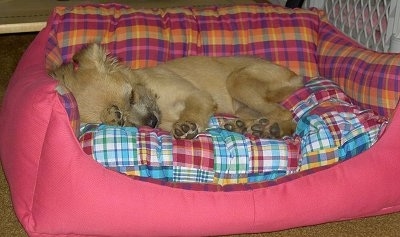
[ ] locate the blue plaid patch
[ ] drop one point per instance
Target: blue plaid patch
(116, 147)
(236, 149)
(192, 175)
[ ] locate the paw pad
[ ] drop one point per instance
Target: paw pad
(275, 130)
(185, 130)
(113, 116)
(236, 126)
(264, 129)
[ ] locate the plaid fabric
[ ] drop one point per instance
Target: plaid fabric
(147, 37)
(330, 129)
(370, 78)
(216, 156)
(71, 107)
(115, 148)
(190, 175)
(197, 153)
(330, 126)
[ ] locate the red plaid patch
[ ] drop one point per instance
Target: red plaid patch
(293, 146)
(86, 142)
(197, 153)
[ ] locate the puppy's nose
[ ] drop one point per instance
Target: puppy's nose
(152, 121)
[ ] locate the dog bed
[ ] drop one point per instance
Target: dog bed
(59, 190)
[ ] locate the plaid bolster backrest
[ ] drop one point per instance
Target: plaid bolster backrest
(146, 37)
(370, 78)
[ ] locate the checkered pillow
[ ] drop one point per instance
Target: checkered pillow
(215, 156)
(330, 129)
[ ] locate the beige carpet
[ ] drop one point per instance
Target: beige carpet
(11, 48)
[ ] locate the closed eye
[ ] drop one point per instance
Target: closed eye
(132, 98)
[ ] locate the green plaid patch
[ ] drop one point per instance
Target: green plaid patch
(192, 175)
(231, 152)
(116, 147)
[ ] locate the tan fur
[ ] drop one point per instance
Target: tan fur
(181, 95)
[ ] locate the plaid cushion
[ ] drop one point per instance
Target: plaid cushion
(369, 78)
(216, 156)
(71, 107)
(147, 37)
(330, 129)
(330, 126)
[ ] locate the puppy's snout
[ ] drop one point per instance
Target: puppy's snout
(152, 121)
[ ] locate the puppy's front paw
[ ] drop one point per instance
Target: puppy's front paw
(185, 130)
(262, 128)
(112, 116)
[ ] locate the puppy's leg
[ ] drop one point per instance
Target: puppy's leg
(199, 106)
(261, 87)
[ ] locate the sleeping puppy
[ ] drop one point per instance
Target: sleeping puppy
(181, 95)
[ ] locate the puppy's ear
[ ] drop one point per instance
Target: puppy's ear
(92, 56)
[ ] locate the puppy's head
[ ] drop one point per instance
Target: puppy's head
(106, 91)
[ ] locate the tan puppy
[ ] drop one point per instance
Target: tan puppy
(181, 95)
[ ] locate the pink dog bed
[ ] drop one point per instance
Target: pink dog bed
(59, 190)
